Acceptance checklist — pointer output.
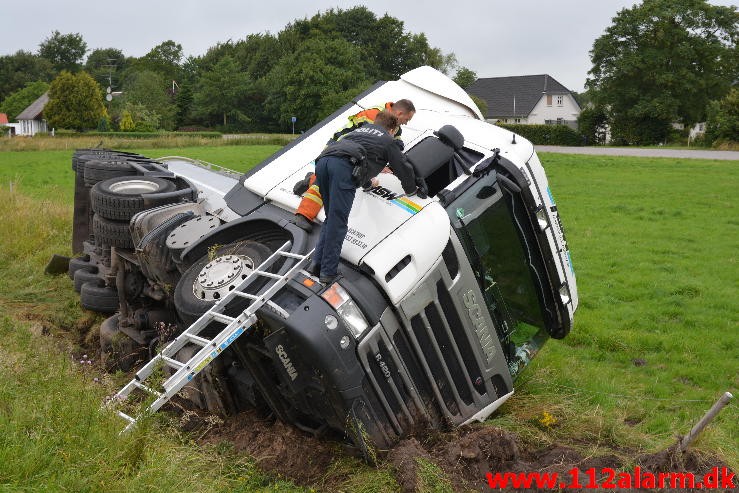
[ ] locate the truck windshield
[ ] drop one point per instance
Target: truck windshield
(488, 223)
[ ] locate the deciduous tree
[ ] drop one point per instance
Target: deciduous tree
(163, 59)
(105, 66)
(661, 62)
(75, 102)
(64, 51)
(152, 91)
(465, 77)
(20, 68)
(220, 92)
(322, 75)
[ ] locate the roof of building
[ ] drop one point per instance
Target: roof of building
(35, 108)
(3, 118)
(514, 96)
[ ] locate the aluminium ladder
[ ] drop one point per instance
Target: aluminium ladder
(210, 348)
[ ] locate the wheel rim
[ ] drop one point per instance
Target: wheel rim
(134, 187)
(221, 275)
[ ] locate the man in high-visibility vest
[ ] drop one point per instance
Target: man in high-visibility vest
(344, 166)
(311, 203)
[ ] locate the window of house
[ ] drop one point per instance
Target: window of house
(518, 120)
(549, 99)
(560, 100)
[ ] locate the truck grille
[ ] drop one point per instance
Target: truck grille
(426, 371)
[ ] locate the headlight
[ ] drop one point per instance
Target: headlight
(339, 299)
(564, 293)
(541, 218)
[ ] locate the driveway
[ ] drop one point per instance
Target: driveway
(651, 152)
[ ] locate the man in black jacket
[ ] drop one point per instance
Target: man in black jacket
(339, 173)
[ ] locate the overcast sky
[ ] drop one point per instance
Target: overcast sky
(492, 37)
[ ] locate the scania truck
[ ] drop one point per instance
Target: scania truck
(444, 296)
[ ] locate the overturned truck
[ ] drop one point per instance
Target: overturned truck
(443, 300)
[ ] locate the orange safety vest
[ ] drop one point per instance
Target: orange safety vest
(365, 116)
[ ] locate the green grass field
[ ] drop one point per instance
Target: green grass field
(654, 244)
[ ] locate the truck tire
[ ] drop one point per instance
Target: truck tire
(122, 197)
(98, 170)
(78, 263)
(111, 233)
(82, 276)
(97, 297)
(189, 306)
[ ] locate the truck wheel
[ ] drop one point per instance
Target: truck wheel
(82, 276)
(211, 278)
(121, 198)
(78, 263)
(97, 297)
(97, 170)
(112, 233)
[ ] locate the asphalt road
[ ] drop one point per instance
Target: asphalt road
(651, 152)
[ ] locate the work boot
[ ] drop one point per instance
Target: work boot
(302, 186)
(327, 280)
(314, 270)
(303, 223)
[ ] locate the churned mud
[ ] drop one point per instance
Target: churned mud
(465, 456)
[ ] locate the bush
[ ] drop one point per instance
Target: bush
(593, 125)
(557, 135)
(722, 125)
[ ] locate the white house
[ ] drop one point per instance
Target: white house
(31, 120)
(529, 99)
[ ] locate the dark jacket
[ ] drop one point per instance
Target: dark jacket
(380, 151)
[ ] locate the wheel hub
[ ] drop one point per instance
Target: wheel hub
(221, 275)
(134, 187)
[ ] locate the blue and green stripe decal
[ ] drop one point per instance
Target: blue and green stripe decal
(406, 204)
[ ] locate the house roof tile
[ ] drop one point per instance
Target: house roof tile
(514, 96)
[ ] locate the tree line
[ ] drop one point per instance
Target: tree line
(255, 84)
(660, 63)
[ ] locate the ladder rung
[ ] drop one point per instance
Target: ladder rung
(248, 296)
(292, 255)
(147, 389)
(197, 339)
(126, 417)
(220, 317)
(267, 274)
(172, 362)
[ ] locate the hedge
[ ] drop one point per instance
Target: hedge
(557, 135)
(154, 135)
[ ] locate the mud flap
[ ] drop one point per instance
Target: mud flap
(58, 264)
